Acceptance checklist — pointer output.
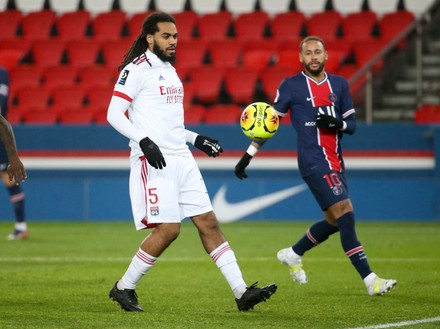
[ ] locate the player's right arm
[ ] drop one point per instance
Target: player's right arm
(118, 120)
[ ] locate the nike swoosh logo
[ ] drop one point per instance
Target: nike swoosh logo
(229, 212)
(310, 98)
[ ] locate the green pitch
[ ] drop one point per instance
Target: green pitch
(61, 276)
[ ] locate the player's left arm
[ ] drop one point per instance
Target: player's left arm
(204, 143)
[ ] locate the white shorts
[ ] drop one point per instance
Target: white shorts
(166, 195)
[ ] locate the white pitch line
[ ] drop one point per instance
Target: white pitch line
(41, 259)
(400, 324)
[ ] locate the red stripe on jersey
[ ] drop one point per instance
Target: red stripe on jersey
(122, 95)
(327, 138)
(140, 59)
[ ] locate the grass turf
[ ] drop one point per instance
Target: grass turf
(61, 276)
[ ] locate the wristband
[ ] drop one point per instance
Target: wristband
(344, 125)
(252, 150)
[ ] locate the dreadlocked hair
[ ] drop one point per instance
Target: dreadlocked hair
(149, 26)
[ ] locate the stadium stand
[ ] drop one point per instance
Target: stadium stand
(80, 43)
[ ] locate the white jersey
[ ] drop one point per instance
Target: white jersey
(156, 95)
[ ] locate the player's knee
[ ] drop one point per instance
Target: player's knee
(169, 232)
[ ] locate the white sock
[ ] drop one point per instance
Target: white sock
(140, 265)
(224, 258)
(370, 278)
(21, 226)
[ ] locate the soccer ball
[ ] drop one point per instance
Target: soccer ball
(259, 121)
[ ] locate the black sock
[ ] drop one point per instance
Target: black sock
(351, 245)
(317, 233)
(17, 197)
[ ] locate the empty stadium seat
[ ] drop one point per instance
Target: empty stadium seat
(239, 7)
(358, 26)
(48, 52)
(190, 54)
(223, 114)
(324, 24)
(114, 51)
(38, 25)
(25, 76)
(288, 59)
(214, 26)
(76, 116)
(391, 24)
(251, 26)
(194, 114)
(287, 26)
(186, 22)
(225, 53)
(9, 23)
(271, 79)
(108, 25)
(202, 7)
(100, 116)
(240, 84)
(10, 58)
(40, 116)
(98, 97)
(134, 23)
(95, 76)
(207, 83)
(82, 53)
(427, 114)
(258, 54)
(364, 51)
(73, 25)
(57, 76)
(67, 96)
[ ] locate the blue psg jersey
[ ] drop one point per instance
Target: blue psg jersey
(319, 150)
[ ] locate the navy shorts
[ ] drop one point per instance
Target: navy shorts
(328, 188)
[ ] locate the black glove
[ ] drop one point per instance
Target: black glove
(327, 121)
(152, 153)
(208, 145)
(241, 166)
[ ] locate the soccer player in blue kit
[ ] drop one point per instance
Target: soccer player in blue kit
(10, 163)
(321, 111)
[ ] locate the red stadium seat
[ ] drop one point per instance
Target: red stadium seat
(25, 76)
(258, 54)
(194, 114)
(335, 59)
(40, 116)
(73, 25)
(100, 116)
(240, 84)
(108, 25)
(67, 97)
(214, 26)
(48, 52)
(134, 23)
(358, 26)
(82, 53)
(288, 26)
(38, 25)
(223, 114)
(207, 83)
(36, 96)
(186, 24)
(289, 59)
(95, 76)
(9, 23)
(98, 97)
(251, 26)
(57, 76)
(114, 51)
(427, 114)
(225, 53)
(76, 116)
(391, 24)
(190, 54)
(324, 24)
(271, 79)
(364, 51)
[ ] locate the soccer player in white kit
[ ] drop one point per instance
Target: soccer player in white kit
(166, 185)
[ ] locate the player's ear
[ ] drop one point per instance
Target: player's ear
(301, 58)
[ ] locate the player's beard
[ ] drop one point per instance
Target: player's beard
(162, 55)
(314, 72)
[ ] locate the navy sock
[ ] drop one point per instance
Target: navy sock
(317, 233)
(351, 245)
(17, 200)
